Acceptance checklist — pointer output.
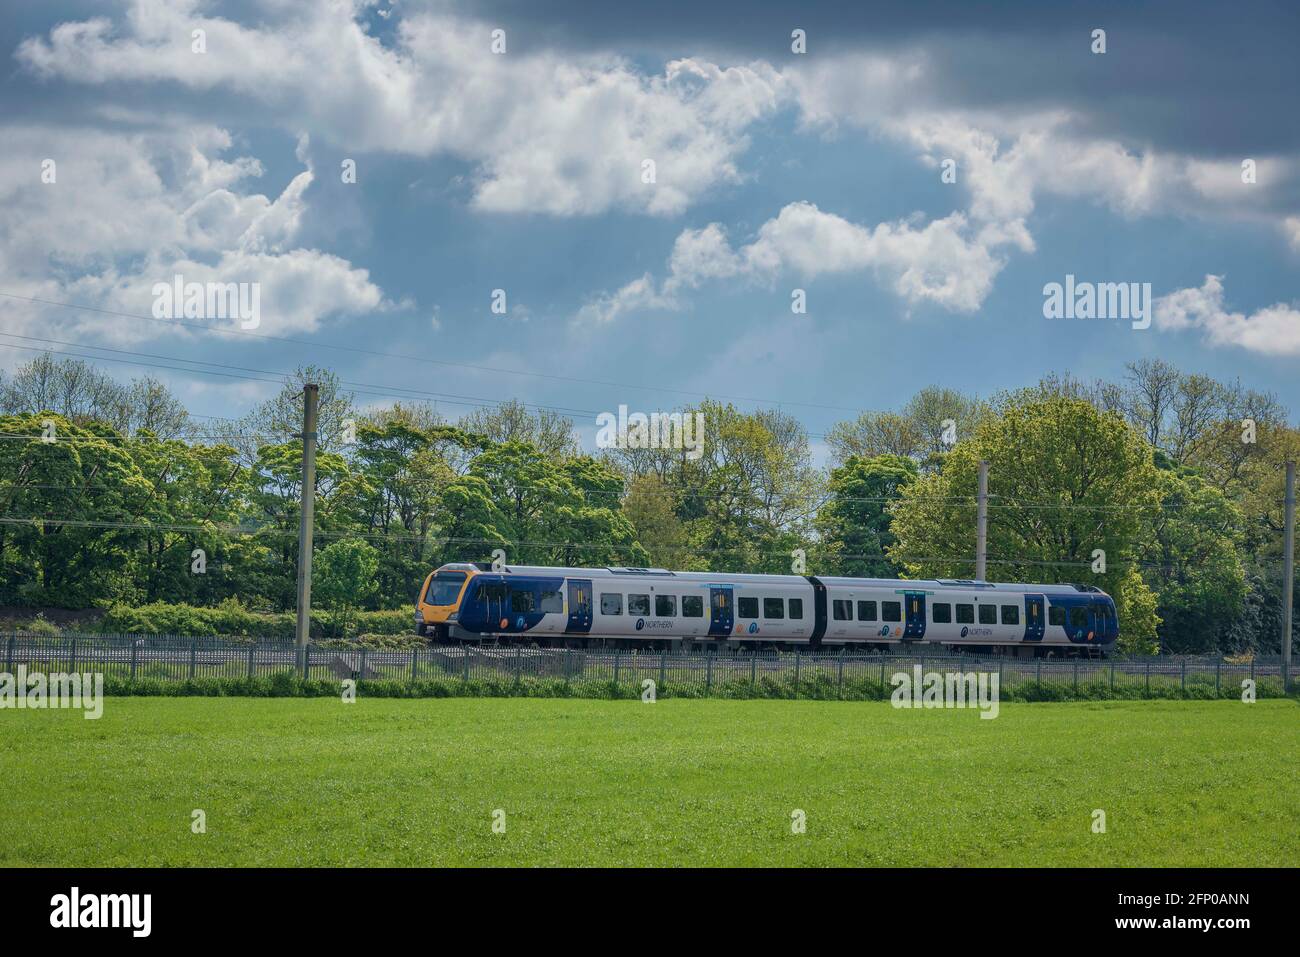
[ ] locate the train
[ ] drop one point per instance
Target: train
(658, 608)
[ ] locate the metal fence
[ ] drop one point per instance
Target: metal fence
(815, 674)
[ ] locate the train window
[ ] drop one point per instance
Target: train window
(773, 607)
(942, 613)
(842, 610)
(493, 592)
(521, 601)
(1010, 614)
(611, 604)
(988, 614)
(965, 614)
(796, 608)
(747, 607)
(1079, 617)
(891, 611)
(444, 588)
(692, 606)
(866, 611)
(551, 601)
(638, 604)
(665, 606)
(1056, 615)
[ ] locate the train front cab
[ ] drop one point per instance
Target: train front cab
(1089, 621)
(438, 607)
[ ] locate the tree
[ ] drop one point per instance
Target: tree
(854, 523)
(649, 507)
(343, 577)
(1190, 555)
(548, 432)
(1070, 485)
(279, 419)
(928, 425)
(68, 387)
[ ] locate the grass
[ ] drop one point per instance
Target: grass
(311, 781)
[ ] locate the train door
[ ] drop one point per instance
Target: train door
(915, 614)
(579, 606)
(721, 611)
(1035, 620)
(1080, 623)
(1107, 627)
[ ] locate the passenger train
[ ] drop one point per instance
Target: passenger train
(653, 607)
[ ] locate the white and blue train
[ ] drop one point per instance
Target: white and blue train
(655, 607)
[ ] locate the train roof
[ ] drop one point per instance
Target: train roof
(652, 574)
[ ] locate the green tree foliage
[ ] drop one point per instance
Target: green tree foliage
(1176, 478)
(343, 578)
(1070, 486)
(854, 522)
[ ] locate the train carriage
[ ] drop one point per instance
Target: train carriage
(654, 606)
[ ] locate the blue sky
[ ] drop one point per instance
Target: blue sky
(522, 171)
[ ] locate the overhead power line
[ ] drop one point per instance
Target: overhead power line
(407, 357)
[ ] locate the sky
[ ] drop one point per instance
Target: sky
(645, 191)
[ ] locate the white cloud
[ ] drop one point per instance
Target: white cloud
(947, 262)
(639, 294)
(128, 211)
(1006, 160)
(553, 133)
(1273, 330)
(1291, 227)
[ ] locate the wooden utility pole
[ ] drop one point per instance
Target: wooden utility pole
(982, 525)
(306, 518)
(1288, 573)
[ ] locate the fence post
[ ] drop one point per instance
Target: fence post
(306, 662)
(361, 672)
(518, 664)
(1184, 674)
(753, 670)
(663, 660)
(796, 672)
(616, 668)
(465, 671)
(567, 661)
(708, 672)
(194, 655)
(1148, 675)
(134, 649)
(882, 672)
(1112, 675)
(1218, 665)
(9, 662)
(839, 681)
(1252, 667)
(252, 649)
(72, 664)
(1076, 674)
(1038, 672)
(999, 676)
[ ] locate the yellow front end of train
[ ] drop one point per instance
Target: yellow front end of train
(439, 603)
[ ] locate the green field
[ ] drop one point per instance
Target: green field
(415, 782)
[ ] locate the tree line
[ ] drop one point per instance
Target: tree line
(1164, 489)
